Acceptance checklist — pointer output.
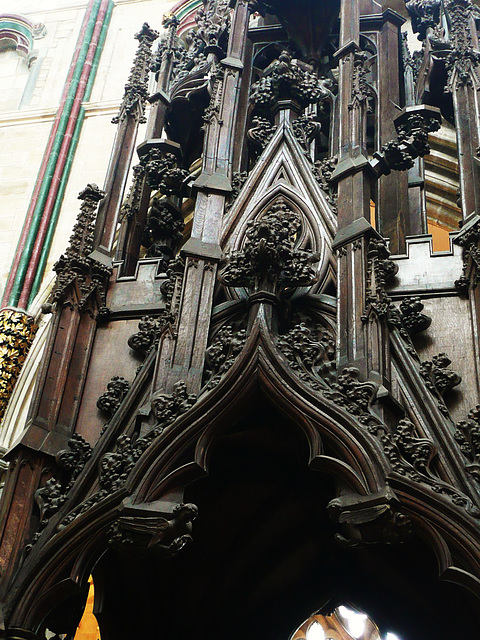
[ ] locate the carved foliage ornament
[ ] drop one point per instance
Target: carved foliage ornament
(408, 454)
(467, 434)
(116, 466)
(323, 171)
(53, 495)
(380, 269)
(222, 352)
(163, 172)
(269, 260)
(17, 331)
(109, 401)
(462, 61)
(150, 329)
(288, 79)
(361, 90)
(163, 231)
(213, 19)
(168, 44)
(306, 129)
(310, 353)
(469, 239)
(413, 129)
(260, 133)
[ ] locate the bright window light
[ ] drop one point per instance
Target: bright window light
(315, 632)
(391, 636)
(355, 622)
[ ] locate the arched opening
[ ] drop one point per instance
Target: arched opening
(265, 554)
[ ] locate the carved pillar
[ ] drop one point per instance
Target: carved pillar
(463, 67)
(162, 65)
(354, 188)
(181, 355)
(134, 211)
(78, 296)
(25, 474)
(392, 194)
(131, 113)
(416, 175)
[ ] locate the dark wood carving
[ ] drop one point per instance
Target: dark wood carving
(266, 354)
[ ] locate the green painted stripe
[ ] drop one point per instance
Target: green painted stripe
(47, 181)
(187, 8)
(71, 154)
(15, 25)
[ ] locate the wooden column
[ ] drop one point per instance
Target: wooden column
(392, 193)
(416, 175)
(354, 228)
(131, 113)
(463, 65)
(181, 356)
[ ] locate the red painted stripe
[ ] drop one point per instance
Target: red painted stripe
(48, 149)
(62, 158)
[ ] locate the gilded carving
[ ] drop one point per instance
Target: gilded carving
(17, 331)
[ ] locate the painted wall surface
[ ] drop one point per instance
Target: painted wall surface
(29, 98)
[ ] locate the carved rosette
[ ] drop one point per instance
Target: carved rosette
(17, 331)
(136, 89)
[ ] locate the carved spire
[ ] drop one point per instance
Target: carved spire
(136, 89)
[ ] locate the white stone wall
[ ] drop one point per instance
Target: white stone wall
(24, 131)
